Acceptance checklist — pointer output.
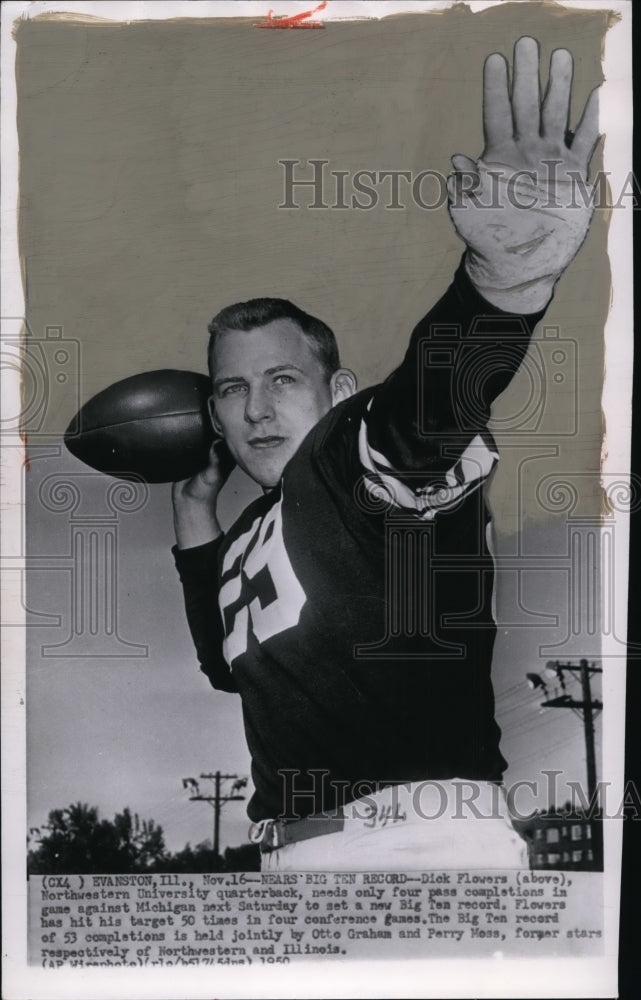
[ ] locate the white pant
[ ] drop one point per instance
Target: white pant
(423, 826)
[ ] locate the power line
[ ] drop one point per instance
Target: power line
(544, 751)
(535, 726)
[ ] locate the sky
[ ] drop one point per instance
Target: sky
(123, 730)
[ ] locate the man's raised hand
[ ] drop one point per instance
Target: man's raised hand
(522, 208)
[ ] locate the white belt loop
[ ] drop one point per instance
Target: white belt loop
(258, 830)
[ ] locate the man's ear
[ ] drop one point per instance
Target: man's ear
(342, 385)
(211, 406)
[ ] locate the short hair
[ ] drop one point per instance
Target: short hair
(259, 312)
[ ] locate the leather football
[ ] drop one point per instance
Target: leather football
(154, 425)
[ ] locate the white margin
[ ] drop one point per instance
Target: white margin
(447, 978)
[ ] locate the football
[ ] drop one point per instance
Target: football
(154, 425)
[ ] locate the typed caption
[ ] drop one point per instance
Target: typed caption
(282, 918)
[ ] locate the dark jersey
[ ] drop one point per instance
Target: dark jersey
(351, 607)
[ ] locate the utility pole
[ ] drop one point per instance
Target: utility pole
(583, 708)
(218, 799)
(588, 723)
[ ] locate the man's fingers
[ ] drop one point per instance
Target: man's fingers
(464, 180)
(526, 96)
(587, 133)
(556, 105)
(464, 163)
(497, 111)
(218, 463)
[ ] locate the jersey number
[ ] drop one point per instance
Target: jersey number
(260, 594)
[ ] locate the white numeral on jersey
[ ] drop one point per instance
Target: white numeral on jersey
(264, 594)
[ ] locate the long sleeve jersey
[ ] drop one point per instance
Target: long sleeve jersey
(351, 606)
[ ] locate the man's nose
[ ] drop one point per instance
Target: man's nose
(258, 405)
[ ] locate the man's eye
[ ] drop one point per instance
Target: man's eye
(284, 379)
(235, 387)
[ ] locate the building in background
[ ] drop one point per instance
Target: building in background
(566, 839)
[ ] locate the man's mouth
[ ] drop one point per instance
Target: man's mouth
(271, 441)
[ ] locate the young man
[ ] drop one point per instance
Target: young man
(350, 606)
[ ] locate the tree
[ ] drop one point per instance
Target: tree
(245, 858)
(201, 858)
(79, 842)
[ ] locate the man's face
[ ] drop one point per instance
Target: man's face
(269, 390)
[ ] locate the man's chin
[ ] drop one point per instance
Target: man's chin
(267, 472)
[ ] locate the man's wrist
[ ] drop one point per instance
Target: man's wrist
(187, 539)
(195, 525)
(522, 299)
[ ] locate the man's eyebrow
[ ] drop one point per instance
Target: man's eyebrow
(283, 368)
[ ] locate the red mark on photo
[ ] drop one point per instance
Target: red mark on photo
(26, 464)
(293, 20)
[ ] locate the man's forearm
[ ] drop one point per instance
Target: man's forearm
(198, 570)
(461, 356)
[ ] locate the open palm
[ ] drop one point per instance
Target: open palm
(522, 207)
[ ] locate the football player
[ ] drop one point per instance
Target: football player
(350, 606)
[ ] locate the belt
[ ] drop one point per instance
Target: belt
(274, 833)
